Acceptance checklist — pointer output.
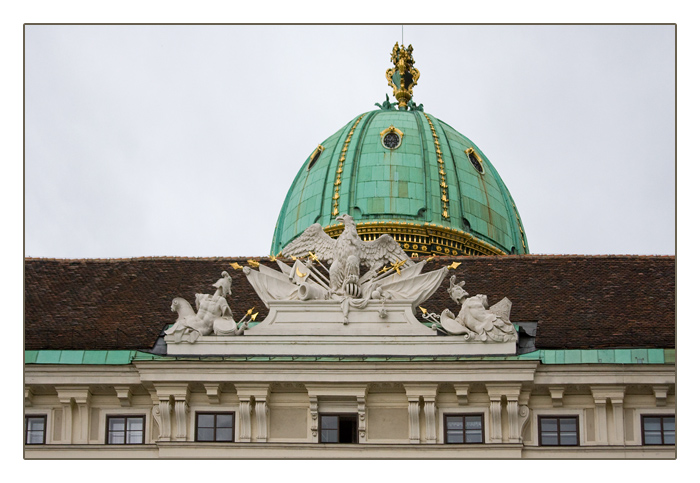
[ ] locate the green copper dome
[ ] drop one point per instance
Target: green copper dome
(406, 173)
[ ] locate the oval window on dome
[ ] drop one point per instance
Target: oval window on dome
(475, 159)
(314, 156)
(391, 137)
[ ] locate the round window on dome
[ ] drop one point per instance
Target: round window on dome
(314, 156)
(391, 137)
(475, 159)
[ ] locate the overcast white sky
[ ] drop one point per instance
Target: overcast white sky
(183, 140)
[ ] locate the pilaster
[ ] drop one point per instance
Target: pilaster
(253, 397)
(511, 392)
(601, 395)
(78, 397)
(414, 393)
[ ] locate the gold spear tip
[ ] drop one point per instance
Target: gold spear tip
(425, 311)
(252, 317)
(250, 311)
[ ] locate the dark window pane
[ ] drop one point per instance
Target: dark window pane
(35, 424)
(35, 437)
(116, 438)
(567, 424)
(205, 420)
(329, 436)
(474, 437)
(329, 422)
(205, 434)
(473, 422)
(669, 424)
(652, 437)
(652, 424)
(548, 425)
(224, 421)
(549, 439)
(455, 436)
(224, 434)
(134, 437)
(568, 439)
(670, 437)
(454, 422)
(116, 424)
(134, 424)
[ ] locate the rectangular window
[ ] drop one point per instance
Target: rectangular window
(658, 430)
(125, 429)
(338, 428)
(464, 428)
(215, 427)
(558, 430)
(35, 429)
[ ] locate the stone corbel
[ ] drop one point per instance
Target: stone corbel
(246, 411)
(430, 410)
(180, 409)
(124, 395)
(361, 416)
(661, 393)
(523, 412)
(557, 394)
(213, 392)
(462, 391)
(28, 396)
(313, 408)
(414, 419)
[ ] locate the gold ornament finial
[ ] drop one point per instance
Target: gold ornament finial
(403, 76)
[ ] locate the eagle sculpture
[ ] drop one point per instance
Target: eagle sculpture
(346, 254)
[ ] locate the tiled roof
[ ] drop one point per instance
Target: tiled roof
(580, 302)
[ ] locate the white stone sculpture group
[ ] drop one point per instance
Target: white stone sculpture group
(213, 314)
(341, 285)
(476, 320)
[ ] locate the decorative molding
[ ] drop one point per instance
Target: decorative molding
(430, 410)
(495, 411)
(261, 413)
(361, 416)
(428, 238)
(414, 419)
(313, 409)
(245, 412)
(514, 435)
(181, 409)
(28, 396)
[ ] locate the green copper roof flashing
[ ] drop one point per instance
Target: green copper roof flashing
(545, 356)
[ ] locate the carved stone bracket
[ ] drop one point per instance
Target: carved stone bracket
(557, 394)
(313, 408)
(430, 419)
(261, 413)
(246, 410)
(414, 419)
(462, 391)
(511, 392)
(28, 396)
(428, 393)
(171, 412)
(523, 412)
(213, 392)
(661, 393)
(124, 395)
(361, 416)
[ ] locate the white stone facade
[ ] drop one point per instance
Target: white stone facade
(400, 407)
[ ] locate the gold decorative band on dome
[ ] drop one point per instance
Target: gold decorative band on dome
(422, 239)
(339, 171)
(445, 198)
